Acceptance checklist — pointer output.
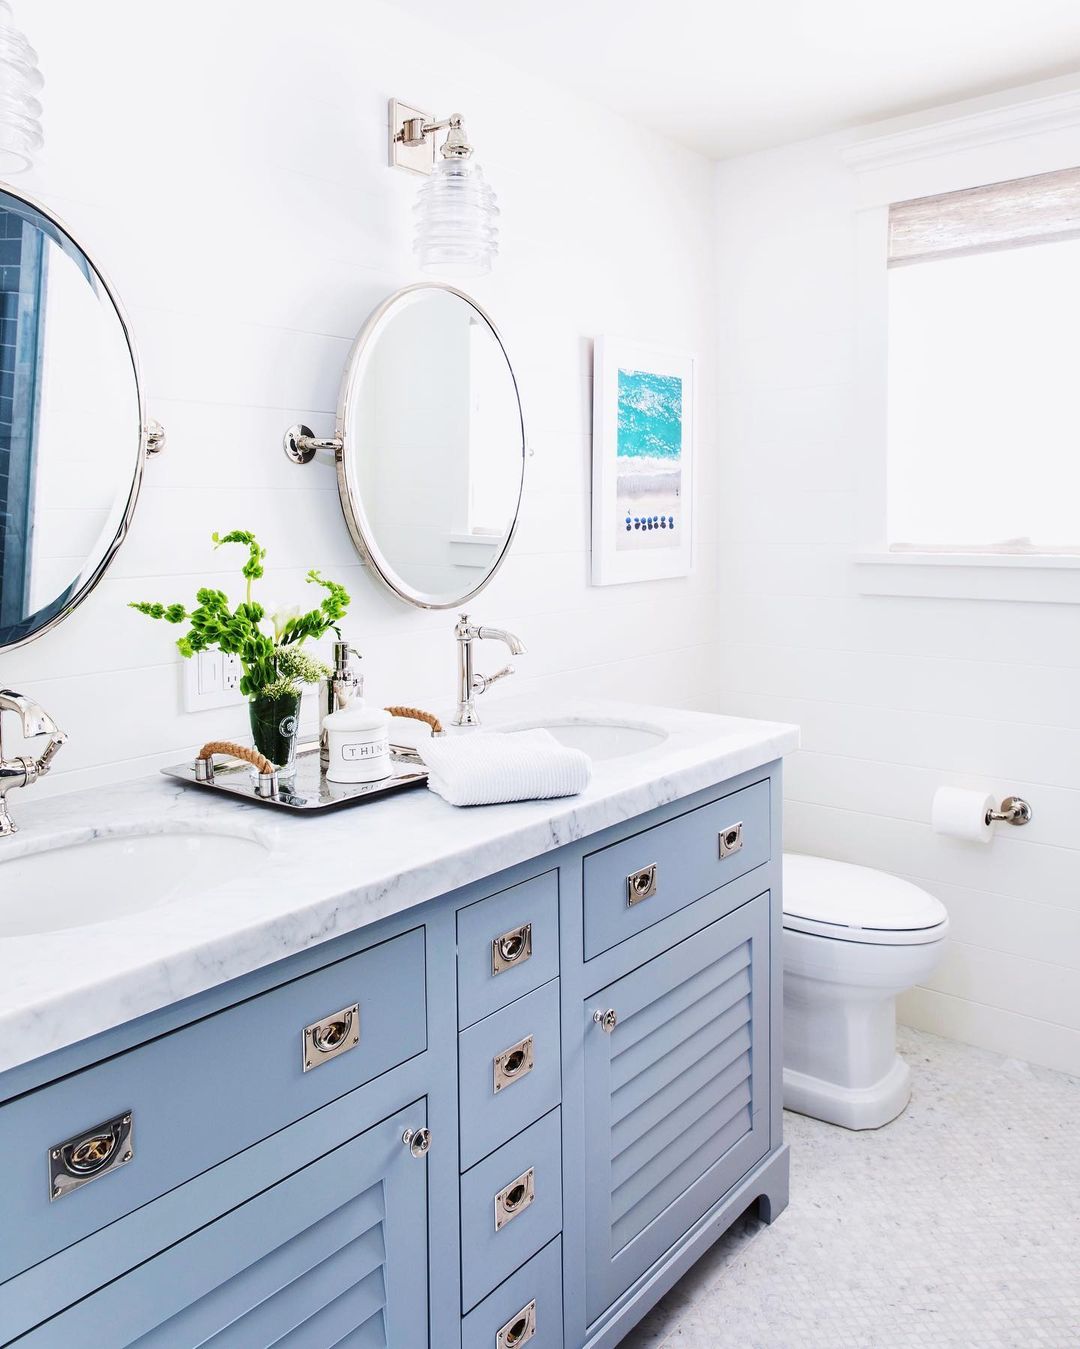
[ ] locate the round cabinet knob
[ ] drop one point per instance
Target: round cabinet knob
(607, 1021)
(418, 1141)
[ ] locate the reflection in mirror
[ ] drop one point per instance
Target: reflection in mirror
(70, 422)
(434, 449)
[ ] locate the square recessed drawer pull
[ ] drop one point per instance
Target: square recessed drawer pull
(514, 1199)
(513, 1063)
(731, 839)
(333, 1035)
(641, 884)
(89, 1155)
(512, 948)
(519, 1329)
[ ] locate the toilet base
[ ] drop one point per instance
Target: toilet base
(850, 1107)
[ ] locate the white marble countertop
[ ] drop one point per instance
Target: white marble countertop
(325, 876)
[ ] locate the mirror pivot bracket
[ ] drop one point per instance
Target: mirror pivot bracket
(301, 444)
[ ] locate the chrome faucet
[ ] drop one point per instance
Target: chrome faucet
(470, 684)
(22, 771)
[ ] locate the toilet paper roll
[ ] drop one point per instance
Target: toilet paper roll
(961, 813)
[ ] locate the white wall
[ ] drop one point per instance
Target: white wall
(894, 695)
(226, 165)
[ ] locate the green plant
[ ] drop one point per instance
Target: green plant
(273, 666)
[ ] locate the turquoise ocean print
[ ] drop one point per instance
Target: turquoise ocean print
(649, 460)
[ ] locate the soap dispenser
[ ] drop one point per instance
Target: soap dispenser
(344, 688)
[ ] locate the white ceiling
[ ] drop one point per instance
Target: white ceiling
(726, 77)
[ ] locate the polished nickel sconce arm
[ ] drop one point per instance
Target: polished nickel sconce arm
(412, 138)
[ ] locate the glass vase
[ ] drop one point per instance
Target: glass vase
(274, 724)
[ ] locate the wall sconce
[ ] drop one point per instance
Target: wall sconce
(20, 111)
(456, 219)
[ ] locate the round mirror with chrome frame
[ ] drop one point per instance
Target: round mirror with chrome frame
(429, 446)
(74, 436)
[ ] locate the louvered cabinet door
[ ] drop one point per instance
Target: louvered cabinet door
(335, 1254)
(677, 1094)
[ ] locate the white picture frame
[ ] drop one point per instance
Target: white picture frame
(642, 461)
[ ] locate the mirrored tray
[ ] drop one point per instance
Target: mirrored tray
(307, 791)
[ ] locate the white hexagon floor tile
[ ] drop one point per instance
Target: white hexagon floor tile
(955, 1227)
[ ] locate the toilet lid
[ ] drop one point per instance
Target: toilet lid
(842, 900)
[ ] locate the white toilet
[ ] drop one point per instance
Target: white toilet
(853, 939)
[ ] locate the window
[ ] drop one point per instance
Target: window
(984, 369)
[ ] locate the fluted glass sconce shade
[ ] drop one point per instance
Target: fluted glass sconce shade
(457, 221)
(20, 110)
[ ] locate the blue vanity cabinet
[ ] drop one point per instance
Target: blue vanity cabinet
(591, 1038)
(208, 1090)
(333, 1253)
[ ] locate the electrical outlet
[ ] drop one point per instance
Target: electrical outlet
(211, 679)
(230, 675)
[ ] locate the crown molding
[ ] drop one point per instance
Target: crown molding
(1054, 112)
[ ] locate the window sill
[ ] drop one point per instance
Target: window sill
(1044, 578)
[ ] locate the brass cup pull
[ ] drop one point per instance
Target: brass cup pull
(84, 1158)
(512, 1064)
(511, 948)
(519, 1329)
(514, 1198)
(418, 1141)
(333, 1035)
(641, 884)
(731, 839)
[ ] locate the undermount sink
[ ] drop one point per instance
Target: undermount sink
(601, 739)
(71, 885)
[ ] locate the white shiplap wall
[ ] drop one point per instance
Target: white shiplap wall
(894, 695)
(227, 166)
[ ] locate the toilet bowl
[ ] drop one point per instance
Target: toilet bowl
(853, 939)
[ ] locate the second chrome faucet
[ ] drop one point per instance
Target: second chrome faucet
(23, 771)
(470, 684)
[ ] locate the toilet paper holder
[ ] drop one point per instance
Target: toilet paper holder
(1014, 810)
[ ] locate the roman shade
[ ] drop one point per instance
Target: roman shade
(1023, 211)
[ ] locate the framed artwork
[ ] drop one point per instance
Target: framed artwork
(643, 462)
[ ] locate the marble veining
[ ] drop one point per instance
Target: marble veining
(329, 875)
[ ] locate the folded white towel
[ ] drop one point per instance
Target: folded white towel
(478, 768)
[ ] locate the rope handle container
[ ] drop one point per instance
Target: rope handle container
(204, 764)
(417, 714)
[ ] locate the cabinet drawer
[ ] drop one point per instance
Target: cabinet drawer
(531, 1299)
(334, 1253)
(508, 944)
(203, 1093)
(508, 1071)
(533, 1163)
(628, 886)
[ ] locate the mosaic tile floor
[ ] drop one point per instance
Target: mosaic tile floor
(955, 1227)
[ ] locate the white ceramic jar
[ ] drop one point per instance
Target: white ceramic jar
(358, 744)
